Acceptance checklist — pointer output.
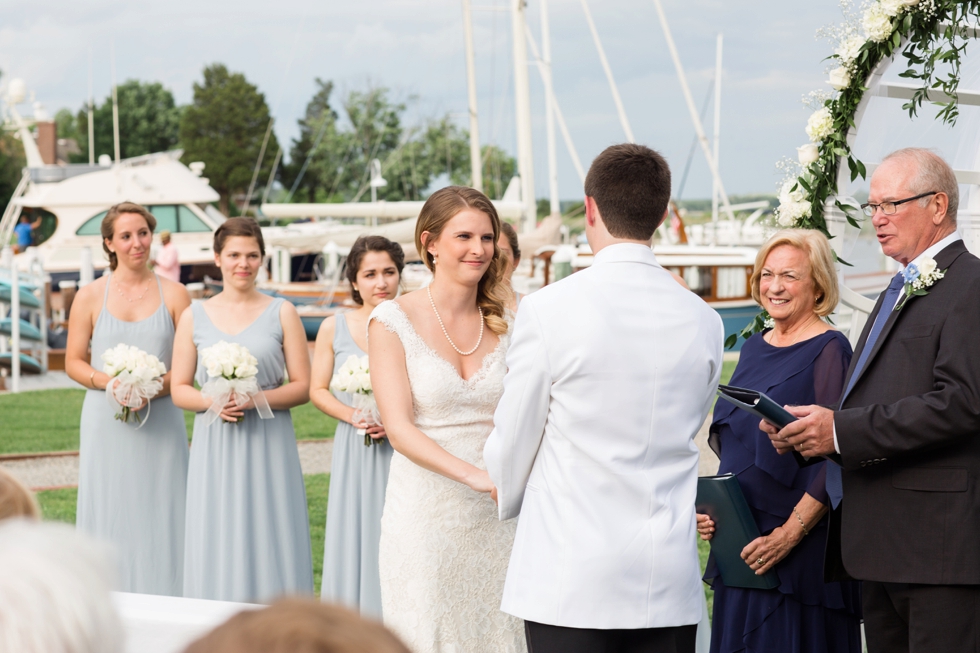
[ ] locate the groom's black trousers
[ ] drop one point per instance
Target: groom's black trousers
(543, 638)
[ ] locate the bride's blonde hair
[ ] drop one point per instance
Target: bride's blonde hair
(441, 207)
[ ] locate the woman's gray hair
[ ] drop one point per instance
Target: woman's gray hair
(54, 591)
(932, 174)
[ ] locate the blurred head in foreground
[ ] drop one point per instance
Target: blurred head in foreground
(298, 626)
(54, 591)
(15, 499)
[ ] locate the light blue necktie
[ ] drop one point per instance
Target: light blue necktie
(835, 489)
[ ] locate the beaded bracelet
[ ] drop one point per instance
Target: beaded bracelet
(802, 524)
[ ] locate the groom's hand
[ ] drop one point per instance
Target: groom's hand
(493, 494)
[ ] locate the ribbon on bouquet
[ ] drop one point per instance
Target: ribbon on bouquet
(366, 410)
(131, 391)
(223, 390)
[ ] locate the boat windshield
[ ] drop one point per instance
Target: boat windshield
(213, 213)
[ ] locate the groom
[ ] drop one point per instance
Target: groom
(611, 373)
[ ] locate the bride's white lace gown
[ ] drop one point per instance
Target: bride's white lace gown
(444, 553)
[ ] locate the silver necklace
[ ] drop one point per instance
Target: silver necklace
(120, 291)
(446, 333)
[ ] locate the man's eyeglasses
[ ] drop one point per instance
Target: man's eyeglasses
(889, 208)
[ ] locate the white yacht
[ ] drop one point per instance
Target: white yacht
(71, 201)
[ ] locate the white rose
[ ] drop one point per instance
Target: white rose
(927, 266)
(363, 382)
(807, 154)
(840, 78)
(820, 125)
(892, 7)
(784, 219)
(910, 3)
(850, 48)
(877, 24)
(142, 374)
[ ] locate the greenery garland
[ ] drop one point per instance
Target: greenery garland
(934, 34)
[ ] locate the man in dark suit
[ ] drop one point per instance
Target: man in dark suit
(906, 435)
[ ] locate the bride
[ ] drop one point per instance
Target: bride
(437, 368)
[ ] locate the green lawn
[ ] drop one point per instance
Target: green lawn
(47, 420)
(727, 369)
(59, 505)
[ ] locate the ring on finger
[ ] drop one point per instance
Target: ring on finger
(760, 561)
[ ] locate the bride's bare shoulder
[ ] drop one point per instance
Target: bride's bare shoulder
(413, 303)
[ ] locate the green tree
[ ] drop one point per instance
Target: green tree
(224, 127)
(498, 169)
(148, 122)
(66, 124)
(322, 173)
(411, 157)
(12, 162)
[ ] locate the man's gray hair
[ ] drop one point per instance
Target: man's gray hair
(932, 174)
(54, 591)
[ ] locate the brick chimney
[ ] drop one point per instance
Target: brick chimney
(47, 142)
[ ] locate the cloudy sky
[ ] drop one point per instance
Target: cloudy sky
(415, 47)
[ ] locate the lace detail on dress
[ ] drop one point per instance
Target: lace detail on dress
(444, 554)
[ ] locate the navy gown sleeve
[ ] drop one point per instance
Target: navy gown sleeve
(829, 370)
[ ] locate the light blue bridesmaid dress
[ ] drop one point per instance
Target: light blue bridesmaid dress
(131, 481)
(248, 535)
(358, 478)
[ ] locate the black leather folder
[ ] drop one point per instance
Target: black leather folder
(721, 498)
(758, 404)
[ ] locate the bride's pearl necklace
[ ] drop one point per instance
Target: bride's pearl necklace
(446, 333)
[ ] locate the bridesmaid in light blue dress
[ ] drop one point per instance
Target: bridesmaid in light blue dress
(247, 534)
(359, 473)
(132, 477)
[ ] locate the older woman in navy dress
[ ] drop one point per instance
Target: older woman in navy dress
(800, 360)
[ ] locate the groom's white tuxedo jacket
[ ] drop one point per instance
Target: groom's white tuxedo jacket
(611, 373)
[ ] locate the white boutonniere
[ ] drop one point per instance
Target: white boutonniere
(917, 279)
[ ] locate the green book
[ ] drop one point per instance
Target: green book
(721, 498)
(757, 403)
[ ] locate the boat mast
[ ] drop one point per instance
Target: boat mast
(624, 121)
(714, 184)
(115, 106)
(522, 101)
(695, 118)
(476, 160)
(572, 152)
(91, 112)
(549, 109)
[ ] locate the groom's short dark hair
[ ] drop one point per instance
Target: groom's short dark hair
(631, 186)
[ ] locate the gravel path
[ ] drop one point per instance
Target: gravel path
(315, 457)
(62, 471)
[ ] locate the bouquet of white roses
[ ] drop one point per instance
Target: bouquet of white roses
(232, 371)
(139, 380)
(354, 377)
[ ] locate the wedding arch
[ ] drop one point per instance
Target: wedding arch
(931, 37)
